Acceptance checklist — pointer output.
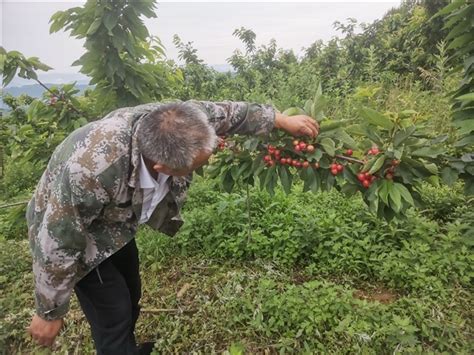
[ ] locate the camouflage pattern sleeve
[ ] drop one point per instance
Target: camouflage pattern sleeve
(239, 117)
(59, 238)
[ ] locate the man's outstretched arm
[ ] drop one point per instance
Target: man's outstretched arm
(244, 118)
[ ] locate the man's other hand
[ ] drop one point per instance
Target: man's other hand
(44, 331)
(299, 125)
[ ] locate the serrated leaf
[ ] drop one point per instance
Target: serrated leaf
(395, 198)
(406, 195)
(468, 157)
(329, 125)
(464, 127)
(110, 20)
(94, 26)
(466, 97)
(466, 141)
(285, 178)
(430, 152)
(383, 191)
(376, 118)
(377, 165)
(292, 111)
(345, 138)
(329, 146)
(432, 168)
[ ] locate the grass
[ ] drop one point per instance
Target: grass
(195, 304)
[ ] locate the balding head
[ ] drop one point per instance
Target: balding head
(174, 134)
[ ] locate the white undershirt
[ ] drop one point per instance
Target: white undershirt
(153, 191)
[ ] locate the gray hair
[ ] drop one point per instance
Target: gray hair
(174, 134)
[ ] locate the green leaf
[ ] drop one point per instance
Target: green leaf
(468, 140)
(376, 118)
(94, 26)
(464, 127)
(345, 138)
(395, 198)
(110, 20)
(449, 8)
(466, 97)
(432, 168)
(468, 157)
(406, 195)
(285, 178)
(329, 146)
(430, 152)
(227, 181)
(292, 111)
(402, 135)
(383, 190)
(307, 107)
(377, 165)
(329, 125)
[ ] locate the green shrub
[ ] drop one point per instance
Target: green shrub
(330, 234)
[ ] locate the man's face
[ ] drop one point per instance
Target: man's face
(201, 159)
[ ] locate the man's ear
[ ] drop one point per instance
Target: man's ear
(161, 169)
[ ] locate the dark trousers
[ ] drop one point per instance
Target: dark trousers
(109, 297)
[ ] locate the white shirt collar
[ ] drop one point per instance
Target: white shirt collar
(146, 180)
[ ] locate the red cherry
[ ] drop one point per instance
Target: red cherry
(299, 164)
(333, 166)
(267, 158)
(361, 177)
(283, 161)
(349, 152)
(297, 148)
(277, 152)
(270, 163)
(302, 146)
(334, 172)
(310, 148)
(340, 168)
(305, 164)
(295, 162)
(366, 183)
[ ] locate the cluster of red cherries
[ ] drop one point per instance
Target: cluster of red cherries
(366, 179)
(274, 155)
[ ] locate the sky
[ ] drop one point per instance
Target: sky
(209, 25)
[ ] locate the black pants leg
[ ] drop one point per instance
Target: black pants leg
(109, 297)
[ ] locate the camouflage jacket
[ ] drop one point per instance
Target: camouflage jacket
(88, 202)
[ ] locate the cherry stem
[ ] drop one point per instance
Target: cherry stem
(353, 160)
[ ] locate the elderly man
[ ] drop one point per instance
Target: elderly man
(131, 167)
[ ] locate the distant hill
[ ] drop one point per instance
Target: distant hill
(35, 90)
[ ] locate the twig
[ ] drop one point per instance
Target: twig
(14, 204)
(353, 160)
(60, 98)
(159, 310)
(183, 290)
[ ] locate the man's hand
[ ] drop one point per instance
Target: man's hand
(44, 331)
(299, 125)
